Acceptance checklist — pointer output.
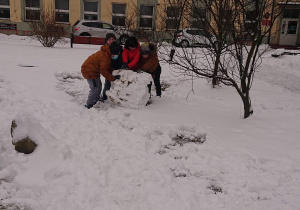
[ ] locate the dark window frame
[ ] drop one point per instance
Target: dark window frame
(5, 10)
(119, 14)
(291, 13)
(90, 14)
(172, 18)
(146, 20)
(32, 10)
(198, 17)
(62, 13)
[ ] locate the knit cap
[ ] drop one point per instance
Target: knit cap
(109, 35)
(145, 49)
(131, 42)
(115, 48)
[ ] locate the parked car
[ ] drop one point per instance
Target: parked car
(99, 28)
(192, 37)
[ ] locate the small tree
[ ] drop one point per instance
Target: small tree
(48, 31)
(234, 54)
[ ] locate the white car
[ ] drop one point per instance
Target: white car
(98, 28)
(192, 37)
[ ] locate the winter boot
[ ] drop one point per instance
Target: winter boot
(88, 106)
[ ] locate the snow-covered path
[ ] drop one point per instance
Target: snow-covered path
(281, 72)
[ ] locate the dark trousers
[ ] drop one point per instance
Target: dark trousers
(156, 79)
(107, 86)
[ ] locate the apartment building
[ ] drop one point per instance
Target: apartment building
(15, 14)
(137, 14)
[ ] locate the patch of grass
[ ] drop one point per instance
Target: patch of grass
(182, 139)
(164, 85)
(216, 189)
(9, 207)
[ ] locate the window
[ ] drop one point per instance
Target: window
(198, 18)
(92, 24)
(250, 22)
(107, 26)
(172, 18)
(62, 11)
(119, 14)
(291, 13)
(195, 32)
(292, 27)
(90, 10)
(146, 16)
(226, 15)
(98, 25)
(4, 9)
(32, 10)
(249, 27)
(250, 15)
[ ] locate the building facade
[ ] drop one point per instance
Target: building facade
(15, 14)
(287, 28)
(152, 15)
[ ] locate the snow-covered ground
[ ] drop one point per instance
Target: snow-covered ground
(117, 158)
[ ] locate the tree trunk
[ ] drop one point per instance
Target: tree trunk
(216, 67)
(217, 63)
(247, 106)
(172, 54)
(245, 98)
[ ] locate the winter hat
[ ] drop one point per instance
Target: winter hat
(109, 35)
(131, 42)
(145, 49)
(115, 48)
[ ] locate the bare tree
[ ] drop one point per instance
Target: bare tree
(235, 32)
(133, 17)
(48, 31)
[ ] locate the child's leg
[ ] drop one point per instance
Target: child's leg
(95, 90)
(156, 78)
(107, 86)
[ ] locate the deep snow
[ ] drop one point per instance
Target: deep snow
(112, 157)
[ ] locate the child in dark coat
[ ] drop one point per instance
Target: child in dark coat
(115, 64)
(149, 63)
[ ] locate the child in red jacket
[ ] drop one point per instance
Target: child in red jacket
(131, 54)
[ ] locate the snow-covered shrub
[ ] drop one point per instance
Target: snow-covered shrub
(26, 146)
(186, 134)
(183, 138)
(22, 142)
(183, 135)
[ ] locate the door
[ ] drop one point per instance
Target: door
(288, 32)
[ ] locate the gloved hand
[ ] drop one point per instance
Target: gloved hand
(125, 66)
(139, 71)
(117, 77)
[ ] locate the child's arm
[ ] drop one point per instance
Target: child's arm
(135, 60)
(105, 66)
(125, 55)
(151, 64)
